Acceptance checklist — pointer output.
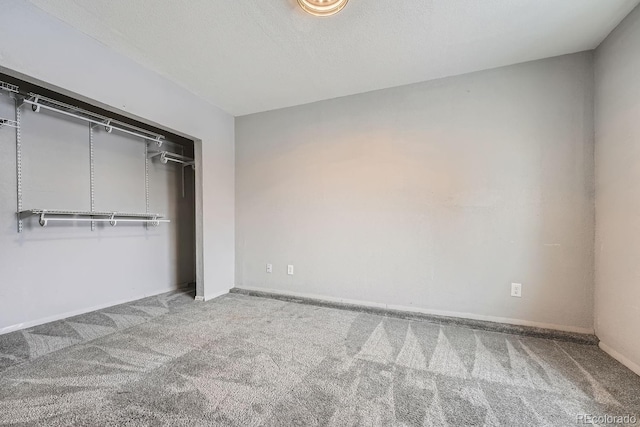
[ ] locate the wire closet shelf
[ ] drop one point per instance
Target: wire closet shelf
(113, 218)
(6, 87)
(167, 156)
(38, 103)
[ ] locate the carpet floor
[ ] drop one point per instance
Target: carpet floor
(246, 361)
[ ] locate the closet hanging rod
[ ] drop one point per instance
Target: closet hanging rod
(168, 153)
(37, 102)
(95, 116)
(112, 218)
(90, 213)
(193, 166)
(166, 156)
(153, 221)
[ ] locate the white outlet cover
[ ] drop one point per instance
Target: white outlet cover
(516, 290)
(290, 270)
(269, 268)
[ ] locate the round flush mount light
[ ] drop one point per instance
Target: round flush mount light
(322, 7)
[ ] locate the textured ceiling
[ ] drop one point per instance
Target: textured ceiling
(248, 56)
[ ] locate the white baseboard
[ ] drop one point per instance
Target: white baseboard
(213, 296)
(620, 358)
(518, 322)
(67, 314)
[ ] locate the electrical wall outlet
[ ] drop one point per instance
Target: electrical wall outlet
(516, 290)
(269, 268)
(290, 270)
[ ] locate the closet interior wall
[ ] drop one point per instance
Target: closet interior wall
(65, 268)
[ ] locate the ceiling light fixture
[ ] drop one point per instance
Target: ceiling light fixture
(322, 7)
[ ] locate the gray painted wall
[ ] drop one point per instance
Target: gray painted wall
(431, 197)
(617, 77)
(74, 64)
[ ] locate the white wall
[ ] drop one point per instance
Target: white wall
(431, 197)
(617, 77)
(61, 58)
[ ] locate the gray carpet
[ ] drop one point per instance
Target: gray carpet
(482, 325)
(31, 343)
(248, 361)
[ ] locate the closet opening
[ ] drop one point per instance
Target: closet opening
(107, 203)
